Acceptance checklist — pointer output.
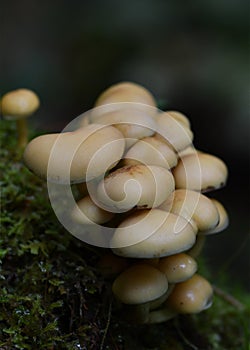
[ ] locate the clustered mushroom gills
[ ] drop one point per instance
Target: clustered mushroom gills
(137, 172)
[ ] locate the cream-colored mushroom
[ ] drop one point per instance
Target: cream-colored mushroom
(197, 248)
(135, 186)
(126, 92)
(137, 286)
(195, 207)
(86, 212)
(180, 117)
(19, 105)
(152, 151)
(200, 171)
(80, 155)
(177, 267)
(191, 296)
(151, 234)
(223, 219)
(178, 135)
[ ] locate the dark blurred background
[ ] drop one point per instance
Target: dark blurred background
(192, 55)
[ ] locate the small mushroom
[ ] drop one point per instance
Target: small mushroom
(86, 212)
(19, 105)
(178, 267)
(151, 234)
(81, 155)
(223, 219)
(195, 207)
(196, 249)
(126, 92)
(135, 186)
(180, 117)
(191, 296)
(152, 151)
(200, 171)
(137, 286)
(178, 135)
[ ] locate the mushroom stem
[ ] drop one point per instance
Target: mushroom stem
(22, 131)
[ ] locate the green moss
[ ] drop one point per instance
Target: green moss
(53, 297)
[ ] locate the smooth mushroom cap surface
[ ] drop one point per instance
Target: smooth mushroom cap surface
(151, 151)
(200, 171)
(191, 296)
(151, 234)
(140, 284)
(178, 267)
(19, 104)
(223, 218)
(180, 117)
(194, 207)
(125, 92)
(86, 212)
(135, 186)
(81, 155)
(178, 135)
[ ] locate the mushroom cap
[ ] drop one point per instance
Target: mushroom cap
(191, 296)
(86, 212)
(151, 234)
(178, 267)
(81, 155)
(140, 284)
(200, 171)
(137, 185)
(223, 218)
(125, 92)
(194, 207)
(180, 117)
(178, 135)
(19, 104)
(151, 151)
(196, 249)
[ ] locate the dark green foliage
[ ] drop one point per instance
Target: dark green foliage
(53, 297)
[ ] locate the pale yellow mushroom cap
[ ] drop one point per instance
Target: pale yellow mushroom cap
(85, 153)
(194, 207)
(178, 135)
(125, 92)
(200, 171)
(178, 267)
(138, 185)
(180, 117)
(19, 104)
(223, 218)
(151, 234)
(191, 296)
(152, 151)
(140, 284)
(86, 212)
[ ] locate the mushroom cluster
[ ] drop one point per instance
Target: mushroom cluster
(139, 175)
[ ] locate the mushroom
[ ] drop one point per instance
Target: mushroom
(152, 151)
(196, 249)
(200, 171)
(111, 265)
(80, 156)
(19, 105)
(180, 117)
(223, 218)
(191, 296)
(178, 267)
(126, 92)
(151, 234)
(133, 120)
(195, 207)
(177, 134)
(135, 186)
(86, 212)
(137, 286)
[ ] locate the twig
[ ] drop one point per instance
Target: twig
(107, 326)
(228, 298)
